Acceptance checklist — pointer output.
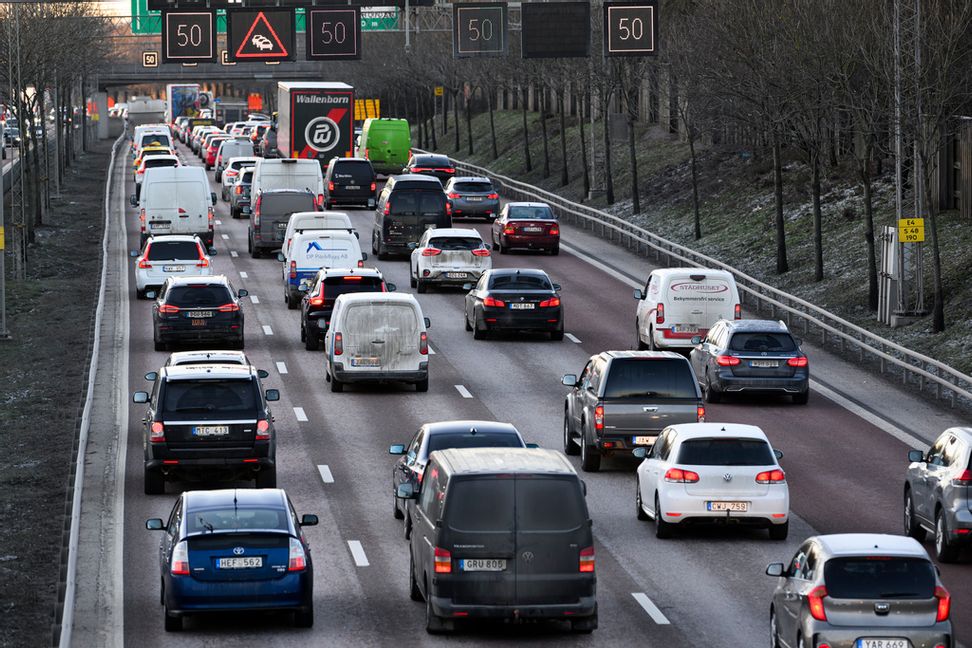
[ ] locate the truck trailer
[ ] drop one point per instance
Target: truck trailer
(315, 120)
(182, 99)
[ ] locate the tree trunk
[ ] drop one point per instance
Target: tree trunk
(469, 133)
(583, 148)
(781, 262)
(872, 281)
(697, 219)
(455, 117)
(635, 199)
(564, 173)
(938, 289)
(435, 144)
(818, 269)
(445, 113)
(543, 128)
(526, 132)
(38, 216)
(59, 129)
(492, 126)
(608, 173)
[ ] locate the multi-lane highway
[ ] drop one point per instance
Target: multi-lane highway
(844, 465)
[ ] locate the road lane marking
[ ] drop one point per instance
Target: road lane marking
(876, 421)
(243, 275)
(281, 367)
(463, 391)
(267, 330)
(225, 237)
(299, 413)
(326, 475)
(254, 299)
(218, 222)
(234, 253)
(652, 609)
(572, 338)
(357, 552)
(431, 350)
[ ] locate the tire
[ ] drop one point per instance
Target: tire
(139, 294)
(570, 448)
(557, 336)
(555, 250)
(802, 398)
(479, 333)
(414, 592)
(311, 342)
(651, 340)
(586, 625)
(663, 529)
(422, 385)
(411, 281)
(712, 395)
(434, 624)
(774, 630)
(421, 287)
(160, 346)
(946, 550)
(382, 254)
(492, 242)
(336, 385)
(374, 244)
(266, 478)
(911, 526)
(779, 531)
(641, 510)
(254, 252)
(503, 249)
(397, 511)
(154, 482)
(172, 623)
(240, 344)
(465, 320)
(292, 304)
(304, 618)
(590, 456)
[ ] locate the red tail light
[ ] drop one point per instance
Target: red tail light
(509, 229)
(141, 219)
(211, 217)
(776, 476)
(453, 195)
(681, 476)
(419, 169)
(964, 479)
(424, 344)
(550, 303)
(263, 430)
(448, 207)
(316, 301)
(944, 604)
(387, 209)
(330, 186)
(320, 201)
(238, 190)
(443, 561)
(338, 344)
(586, 563)
(157, 432)
(554, 231)
(493, 196)
(168, 309)
(298, 559)
(660, 314)
(481, 252)
(293, 269)
(229, 308)
(230, 173)
(430, 251)
(700, 413)
(256, 211)
(815, 601)
(446, 170)
(374, 186)
(140, 171)
(180, 560)
(360, 263)
(737, 311)
(143, 264)
(727, 361)
(799, 361)
(492, 302)
(599, 417)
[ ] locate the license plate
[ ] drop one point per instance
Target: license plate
(736, 507)
(523, 306)
(248, 562)
(455, 275)
(173, 268)
(882, 643)
(482, 564)
(362, 361)
(532, 230)
(282, 225)
(158, 225)
(686, 328)
(643, 440)
(474, 199)
(764, 363)
(198, 314)
(199, 322)
(210, 430)
(352, 187)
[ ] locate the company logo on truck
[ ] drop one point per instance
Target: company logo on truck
(322, 134)
(322, 99)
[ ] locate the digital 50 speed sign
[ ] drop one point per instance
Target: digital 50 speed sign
(631, 28)
(479, 29)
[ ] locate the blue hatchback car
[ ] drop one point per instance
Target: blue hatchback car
(228, 550)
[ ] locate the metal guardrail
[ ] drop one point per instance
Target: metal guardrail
(914, 368)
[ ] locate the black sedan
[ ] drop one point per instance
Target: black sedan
(197, 309)
(318, 302)
(247, 552)
(437, 166)
(514, 299)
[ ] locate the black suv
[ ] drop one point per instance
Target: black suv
(208, 420)
(318, 302)
(349, 181)
(271, 214)
(407, 206)
(197, 309)
(437, 166)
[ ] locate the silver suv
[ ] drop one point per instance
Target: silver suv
(938, 493)
(859, 590)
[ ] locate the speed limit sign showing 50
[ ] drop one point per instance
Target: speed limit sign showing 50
(631, 28)
(333, 33)
(479, 29)
(188, 36)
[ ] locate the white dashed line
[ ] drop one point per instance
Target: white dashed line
(357, 552)
(225, 237)
(267, 330)
(652, 609)
(326, 475)
(281, 368)
(572, 338)
(299, 413)
(463, 391)
(254, 299)
(234, 253)
(243, 275)
(218, 222)
(431, 350)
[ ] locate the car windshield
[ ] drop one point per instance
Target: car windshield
(879, 577)
(172, 250)
(236, 518)
(650, 378)
(456, 243)
(472, 187)
(198, 296)
(228, 398)
(445, 440)
(725, 452)
(286, 203)
(781, 342)
(353, 173)
(519, 282)
(421, 203)
(530, 213)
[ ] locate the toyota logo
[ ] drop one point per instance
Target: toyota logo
(727, 477)
(322, 134)
(238, 551)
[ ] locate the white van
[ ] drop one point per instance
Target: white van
(150, 134)
(288, 173)
(377, 337)
(306, 221)
(312, 250)
(176, 200)
(679, 303)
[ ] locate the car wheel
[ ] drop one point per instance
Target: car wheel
(712, 395)
(374, 244)
(557, 336)
(800, 642)
(774, 631)
(555, 250)
(421, 287)
(434, 624)
(570, 448)
(303, 333)
(397, 511)
(160, 346)
(590, 455)
(502, 248)
(154, 482)
(479, 333)
(304, 618)
(266, 478)
(641, 509)
(382, 253)
(336, 385)
(240, 344)
(139, 294)
(465, 320)
(945, 549)
(911, 526)
(172, 623)
(414, 592)
(407, 526)
(663, 529)
(292, 303)
(779, 531)
(311, 342)
(492, 240)
(411, 281)
(802, 398)
(651, 340)
(586, 625)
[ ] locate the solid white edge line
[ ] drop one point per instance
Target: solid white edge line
(254, 299)
(299, 413)
(572, 338)
(70, 585)
(281, 368)
(652, 609)
(243, 275)
(358, 553)
(463, 391)
(267, 330)
(431, 350)
(325, 472)
(876, 421)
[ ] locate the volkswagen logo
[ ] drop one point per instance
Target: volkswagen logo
(727, 477)
(528, 557)
(238, 551)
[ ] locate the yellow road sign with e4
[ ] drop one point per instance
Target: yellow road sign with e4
(911, 230)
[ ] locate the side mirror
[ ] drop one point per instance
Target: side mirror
(150, 294)
(212, 196)
(242, 292)
(211, 251)
(556, 287)
(154, 524)
(569, 380)
(467, 286)
(774, 569)
(778, 454)
(280, 257)
(412, 245)
(637, 294)
(133, 201)
(263, 373)
(273, 395)
(640, 453)
(152, 376)
(916, 456)
(364, 256)
(428, 323)
(405, 492)
(696, 339)
(133, 254)
(391, 287)
(140, 397)
(533, 445)
(308, 519)
(396, 449)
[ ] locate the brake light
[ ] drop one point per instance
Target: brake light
(211, 217)
(550, 303)
(238, 190)
(140, 171)
(360, 263)
(229, 308)
(320, 200)
(775, 476)
(509, 229)
(330, 186)
(419, 169)
(964, 479)
(203, 261)
(316, 301)
(799, 361)
(815, 601)
(727, 361)
(453, 195)
(660, 314)
(157, 432)
(448, 207)
(493, 196)
(353, 278)
(387, 209)
(263, 430)
(180, 560)
(141, 219)
(944, 604)
(256, 211)
(554, 231)
(293, 269)
(586, 563)
(298, 559)
(430, 251)
(599, 417)
(374, 186)
(424, 343)
(143, 263)
(492, 302)
(737, 311)
(700, 413)
(481, 252)
(443, 561)
(338, 344)
(446, 170)
(231, 173)
(681, 476)
(168, 309)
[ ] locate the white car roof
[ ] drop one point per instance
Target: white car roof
(341, 272)
(173, 238)
(454, 231)
(869, 544)
(217, 357)
(389, 297)
(684, 272)
(215, 370)
(243, 158)
(727, 430)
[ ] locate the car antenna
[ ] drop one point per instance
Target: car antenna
(472, 430)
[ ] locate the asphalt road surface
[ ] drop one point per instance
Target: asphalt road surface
(703, 588)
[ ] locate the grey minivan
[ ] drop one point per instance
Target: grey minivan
(859, 590)
(270, 215)
(501, 533)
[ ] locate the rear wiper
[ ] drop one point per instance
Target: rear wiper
(202, 521)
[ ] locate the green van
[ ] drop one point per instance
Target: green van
(387, 143)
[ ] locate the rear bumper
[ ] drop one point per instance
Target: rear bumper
(846, 637)
(356, 376)
(621, 443)
(470, 275)
(366, 199)
(294, 591)
(585, 607)
(764, 510)
(167, 333)
(726, 382)
(540, 319)
(144, 279)
(466, 209)
(530, 242)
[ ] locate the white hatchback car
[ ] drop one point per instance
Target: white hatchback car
(449, 257)
(234, 167)
(710, 473)
(170, 255)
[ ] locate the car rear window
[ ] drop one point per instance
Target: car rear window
(725, 452)
(743, 341)
(334, 286)
(650, 378)
(353, 172)
(454, 243)
(548, 504)
(198, 295)
(484, 504)
(173, 250)
(150, 153)
(879, 577)
(432, 161)
(287, 203)
(239, 164)
(161, 162)
(230, 398)
(397, 323)
(479, 440)
(531, 213)
(247, 177)
(419, 203)
(519, 282)
(233, 518)
(155, 138)
(473, 187)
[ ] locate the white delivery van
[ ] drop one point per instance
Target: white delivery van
(176, 200)
(312, 250)
(288, 173)
(679, 303)
(150, 134)
(377, 337)
(306, 221)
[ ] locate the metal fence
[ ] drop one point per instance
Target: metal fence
(929, 375)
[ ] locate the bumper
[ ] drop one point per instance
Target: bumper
(145, 279)
(172, 334)
(726, 382)
(939, 634)
(537, 320)
(366, 199)
(396, 247)
(585, 607)
(531, 242)
(184, 594)
(960, 525)
(441, 277)
(764, 510)
(462, 209)
(358, 376)
(194, 465)
(620, 443)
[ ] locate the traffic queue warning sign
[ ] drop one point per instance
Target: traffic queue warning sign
(263, 35)
(911, 230)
